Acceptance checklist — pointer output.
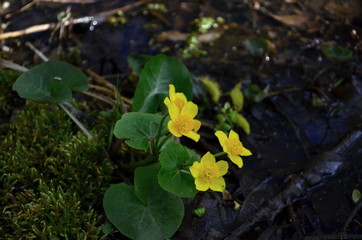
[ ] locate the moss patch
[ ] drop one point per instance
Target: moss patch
(52, 178)
(8, 98)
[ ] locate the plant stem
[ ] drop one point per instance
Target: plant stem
(159, 129)
(137, 164)
(219, 154)
(159, 146)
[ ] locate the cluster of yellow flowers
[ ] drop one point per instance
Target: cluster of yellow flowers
(207, 173)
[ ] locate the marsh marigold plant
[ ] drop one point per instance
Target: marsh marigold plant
(233, 147)
(208, 173)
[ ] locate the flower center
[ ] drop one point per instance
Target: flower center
(234, 147)
(209, 172)
(179, 102)
(184, 124)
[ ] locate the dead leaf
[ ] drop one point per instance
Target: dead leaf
(292, 20)
(344, 9)
(174, 36)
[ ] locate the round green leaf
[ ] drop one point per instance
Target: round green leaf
(146, 211)
(51, 81)
(158, 73)
(59, 91)
(172, 176)
(139, 143)
(139, 128)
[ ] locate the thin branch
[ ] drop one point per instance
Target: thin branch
(29, 5)
(29, 30)
(37, 52)
(12, 66)
(80, 125)
(87, 19)
(99, 97)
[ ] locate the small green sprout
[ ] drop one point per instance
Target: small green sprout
(199, 212)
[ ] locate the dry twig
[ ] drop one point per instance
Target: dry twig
(52, 26)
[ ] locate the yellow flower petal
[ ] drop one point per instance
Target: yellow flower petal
(208, 159)
(190, 109)
(195, 169)
(173, 130)
(222, 137)
(173, 111)
(201, 184)
(234, 135)
(166, 101)
(171, 91)
(246, 152)
(237, 160)
(218, 184)
(194, 136)
(197, 125)
(223, 167)
(180, 96)
(208, 173)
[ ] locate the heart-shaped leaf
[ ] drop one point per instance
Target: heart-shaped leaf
(174, 176)
(159, 72)
(145, 211)
(51, 81)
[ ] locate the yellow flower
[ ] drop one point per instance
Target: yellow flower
(233, 147)
(208, 173)
(177, 98)
(182, 122)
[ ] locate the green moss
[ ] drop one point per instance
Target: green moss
(8, 98)
(52, 177)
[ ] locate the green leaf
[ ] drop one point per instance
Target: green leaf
(356, 195)
(336, 53)
(59, 91)
(199, 212)
(237, 97)
(51, 81)
(253, 92)
(257, 47)
(139, 128)
(159, 72)
(139, 143)
(243, 123)
(173, 176)
(145, 211)
(107, 228)
(137, 62)
(212, 87)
